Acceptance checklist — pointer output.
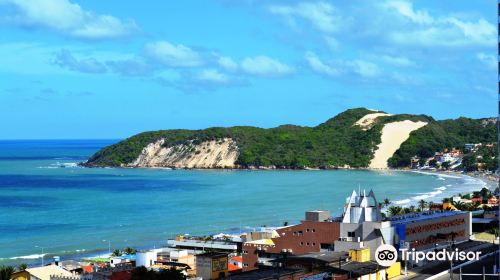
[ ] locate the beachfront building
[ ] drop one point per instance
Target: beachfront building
(200, 244)
(41, 273)
(318, 232)
(212, 265)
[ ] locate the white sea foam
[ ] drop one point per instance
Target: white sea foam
(438, 191)
(403, 201)
(439, 175)
(28, 257)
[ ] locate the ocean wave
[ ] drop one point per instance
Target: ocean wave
(61, 165)
(439, 175)
(403, 201)
(438, 191)
(29, 257)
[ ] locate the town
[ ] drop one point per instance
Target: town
(321, 246)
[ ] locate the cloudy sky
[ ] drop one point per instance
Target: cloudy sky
(110, 69)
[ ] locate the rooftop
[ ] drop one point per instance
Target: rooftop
(322, 257)
(212, 255)
(264, 273)
(415, 217)
(44, 272)
(356, 269)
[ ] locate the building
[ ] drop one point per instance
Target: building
(212, 265)
(201, 244)
(41, 273)
(146, 258)
(316, 233)
(362, 226)
(431, 229)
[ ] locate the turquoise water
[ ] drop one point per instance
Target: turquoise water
(47, 201)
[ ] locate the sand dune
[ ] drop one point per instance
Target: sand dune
(368, 120)
(393, 135)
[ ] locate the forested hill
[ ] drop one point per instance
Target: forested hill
(339, 142)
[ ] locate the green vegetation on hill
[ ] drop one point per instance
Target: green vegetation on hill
(446, 134)
(335, 143)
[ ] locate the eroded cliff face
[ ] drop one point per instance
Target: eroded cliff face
(221, 153)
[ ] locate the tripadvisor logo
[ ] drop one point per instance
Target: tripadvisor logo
(439, 255)
(386, 255)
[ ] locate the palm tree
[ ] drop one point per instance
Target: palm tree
(422, 204)
(22, 267)
(394, 210)
(129, 251)
(386, 201)
(6, 272)
(116, 253)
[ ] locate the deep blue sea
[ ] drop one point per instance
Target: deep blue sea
(47, 201)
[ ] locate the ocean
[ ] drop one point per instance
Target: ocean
(47, 201)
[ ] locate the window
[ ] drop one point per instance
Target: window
(307, 230)
(313, 230)
(307, 243)
(351, 234)
(301, 243)
(300, 233)
(245, 265)
(314, 243)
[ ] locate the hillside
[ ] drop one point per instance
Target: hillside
(350, 139)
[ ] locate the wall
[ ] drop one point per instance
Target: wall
(314, 233)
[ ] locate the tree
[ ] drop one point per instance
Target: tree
(285, 224)
(6, 272)
(116, 253)
(22, 267)
(129, 251)
(386, 201)
(422, 204)
(394, 210)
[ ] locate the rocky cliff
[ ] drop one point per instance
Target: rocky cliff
(221, 153)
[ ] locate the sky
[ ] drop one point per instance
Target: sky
(111, 69)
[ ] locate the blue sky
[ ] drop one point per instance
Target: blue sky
(110, 69)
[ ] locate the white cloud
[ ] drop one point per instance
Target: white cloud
(364, 68)
(332, 43)
(488, 59)
(405, 9)
(173, 55)
(227, 63)
(480, 32)
(443, 31)
(322, 15)
(67, 18)
(66, 59)
(335, 68)
(399, 61)
(212, 75)
(319, 66)
(265, 66)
